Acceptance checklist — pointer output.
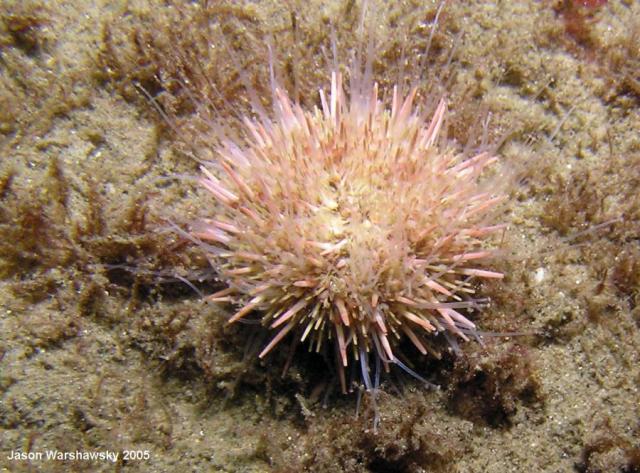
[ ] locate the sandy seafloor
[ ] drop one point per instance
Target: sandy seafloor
(99, 359)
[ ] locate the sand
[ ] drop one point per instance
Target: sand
(105, 350)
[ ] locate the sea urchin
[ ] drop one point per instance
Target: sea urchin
(351, 226)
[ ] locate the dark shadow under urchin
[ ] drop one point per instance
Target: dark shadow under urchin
(312, 379)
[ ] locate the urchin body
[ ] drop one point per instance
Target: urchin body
(351, 226)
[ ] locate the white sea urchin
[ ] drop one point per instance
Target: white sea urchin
(352, 224)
